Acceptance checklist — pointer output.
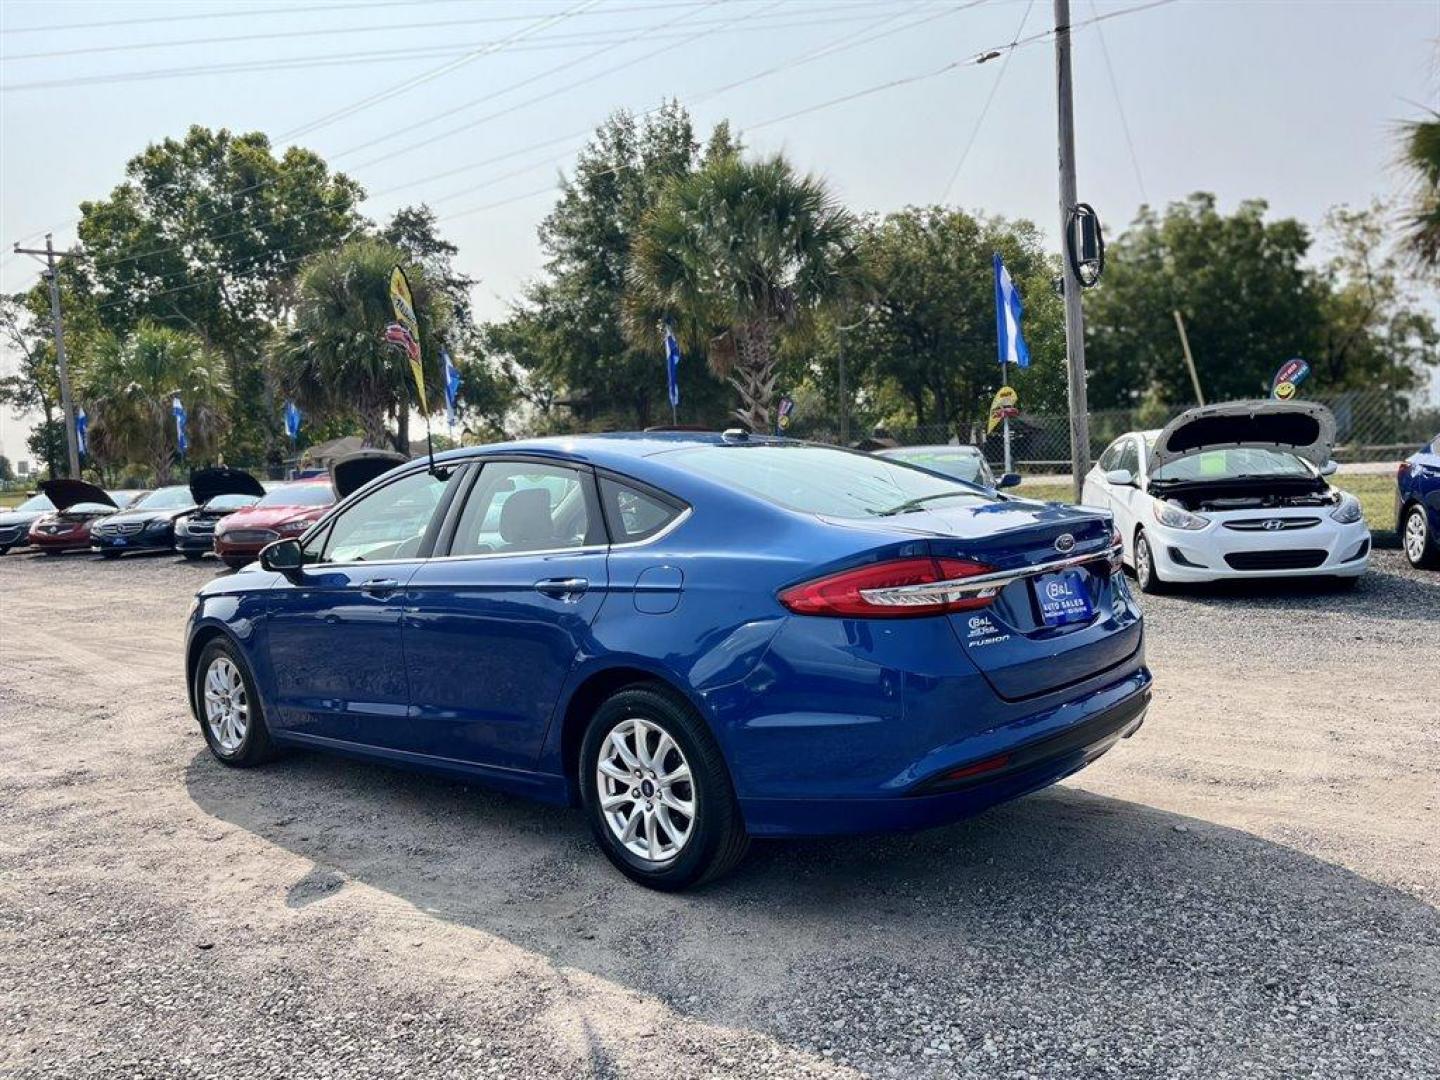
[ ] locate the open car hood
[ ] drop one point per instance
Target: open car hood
(205, 484)
(1303, 428)
(65, 493)
(354, 471)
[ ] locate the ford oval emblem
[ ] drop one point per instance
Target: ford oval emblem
(1064, 543)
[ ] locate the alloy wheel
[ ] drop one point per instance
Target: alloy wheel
(1143, 569)
(647, 795)
(1415, 536)
(227, 706)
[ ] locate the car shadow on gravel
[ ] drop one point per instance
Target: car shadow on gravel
(1381, 593)
(1054, 922)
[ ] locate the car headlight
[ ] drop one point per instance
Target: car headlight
(1174, 517)
(1348, 512)
(157, 526)
(292, 528)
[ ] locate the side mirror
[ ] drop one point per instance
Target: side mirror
(1120, 478)
(1330, 468)
(1008, 480)
(283, 556)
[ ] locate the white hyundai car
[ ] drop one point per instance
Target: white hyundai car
(1230, 491)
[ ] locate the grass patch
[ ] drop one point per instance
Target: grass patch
(1376, 492)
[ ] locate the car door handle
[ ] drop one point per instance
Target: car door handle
(380, 586)
(562, 588)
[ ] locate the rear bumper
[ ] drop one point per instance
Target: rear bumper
(1037, 751)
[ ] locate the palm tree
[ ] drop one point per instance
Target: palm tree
(1420, 154)
(335, 361)
(128, 388)
(736, 254)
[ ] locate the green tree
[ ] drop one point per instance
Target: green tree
(565, 341)
(739, 254)
(132, 381)
(206, 234)
(335, 359)
(928, 333)
(1240, 281)
(33, 387)
(7, 471)
(1420, 156)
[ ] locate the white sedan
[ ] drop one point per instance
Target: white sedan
(1230, 491)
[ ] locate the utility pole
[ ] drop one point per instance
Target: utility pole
(67, 404)
(1189, 360)
(1074, 317)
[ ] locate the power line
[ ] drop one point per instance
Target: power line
(985, 109)
(1120, 108)
(864, 35)
(251, 13)
(326, 32)
(411, 83)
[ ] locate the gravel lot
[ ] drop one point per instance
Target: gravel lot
(1246, 888)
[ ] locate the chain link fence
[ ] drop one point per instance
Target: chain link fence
(1371, 425)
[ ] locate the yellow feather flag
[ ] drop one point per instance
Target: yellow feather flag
(404, 305)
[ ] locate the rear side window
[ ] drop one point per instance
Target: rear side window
(517, 506)
(633, 514)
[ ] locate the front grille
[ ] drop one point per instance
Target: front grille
(250, 536)
(55, 530)
(1275, 560)
(9, 534)
(201, 527)
(120, 528)
(1272, 524)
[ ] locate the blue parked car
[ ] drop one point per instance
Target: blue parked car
(697, 638)
(1417, 506)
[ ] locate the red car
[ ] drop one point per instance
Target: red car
(284, 511)
(78, 505)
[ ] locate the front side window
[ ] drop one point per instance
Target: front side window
(518, 506)
(389, 523)
(634, 515)
(822, 480)
(1111, 455)
(1129, 458)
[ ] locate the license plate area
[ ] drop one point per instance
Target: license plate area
(1063, 598)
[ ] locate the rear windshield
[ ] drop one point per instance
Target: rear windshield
(299, 495)
(1232, 464)
(823, 480)
(960, 464)
(166, 498)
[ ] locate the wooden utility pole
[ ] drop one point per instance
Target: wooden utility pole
(1189, 360)
(67, 403)
(1074, 317)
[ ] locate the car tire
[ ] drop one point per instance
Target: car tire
(228, 707)
(1146, 574)
(675, 740)
(1421, 546)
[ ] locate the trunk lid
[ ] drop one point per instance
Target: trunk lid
(205, 484)
(1303, 428)
(65, 493)
(1020, 655)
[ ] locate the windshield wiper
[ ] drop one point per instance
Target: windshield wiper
(921, 500)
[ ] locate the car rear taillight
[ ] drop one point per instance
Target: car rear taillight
(898, 588)
(1117, 552)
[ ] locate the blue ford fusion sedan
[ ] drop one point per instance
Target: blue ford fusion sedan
(697, 638)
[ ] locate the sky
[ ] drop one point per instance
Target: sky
(1293, 101)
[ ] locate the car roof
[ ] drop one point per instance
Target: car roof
(611, 449)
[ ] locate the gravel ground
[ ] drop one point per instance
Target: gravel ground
(1247, 888)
